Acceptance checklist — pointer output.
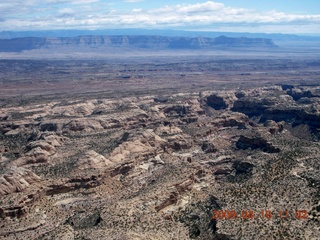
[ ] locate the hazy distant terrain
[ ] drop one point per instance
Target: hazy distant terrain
(168, 33)
(132, 42)
(127, 43)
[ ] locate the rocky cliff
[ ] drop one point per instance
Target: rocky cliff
(142, 42)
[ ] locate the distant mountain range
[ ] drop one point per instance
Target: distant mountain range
(132, 42)
(167, 33)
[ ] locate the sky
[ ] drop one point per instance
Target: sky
(262, 16)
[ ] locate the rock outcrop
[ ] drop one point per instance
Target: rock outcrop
(16, 180)
(282, 106)
(256, 142)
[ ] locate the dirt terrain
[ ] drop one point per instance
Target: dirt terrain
(207, 146)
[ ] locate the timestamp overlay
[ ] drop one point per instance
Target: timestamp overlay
(246, 214)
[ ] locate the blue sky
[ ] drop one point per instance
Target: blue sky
(269, 16)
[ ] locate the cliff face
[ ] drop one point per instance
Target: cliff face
(20, 44)
(243, 42)
(147, 42)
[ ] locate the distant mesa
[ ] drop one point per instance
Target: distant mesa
(134, 42)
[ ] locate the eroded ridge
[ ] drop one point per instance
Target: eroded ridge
(158, 166)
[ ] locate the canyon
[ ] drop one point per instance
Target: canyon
(149, 146)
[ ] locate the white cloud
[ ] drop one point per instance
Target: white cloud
(199, 7)
(66, 10)
(71, 1)
(56, 1)
(133, 1)
(84, 1)
(206, 15)
(212, 12)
